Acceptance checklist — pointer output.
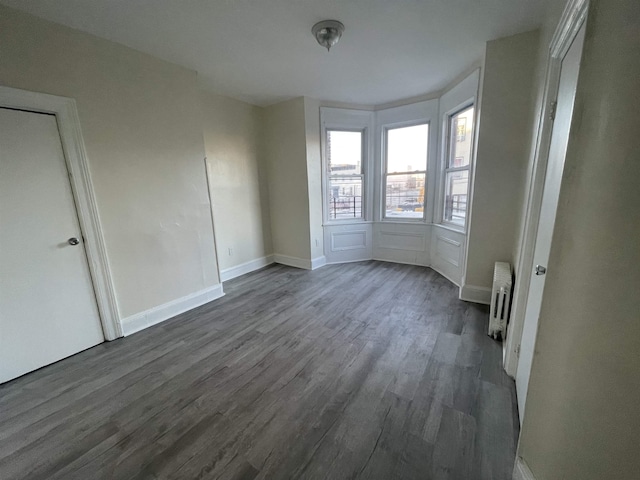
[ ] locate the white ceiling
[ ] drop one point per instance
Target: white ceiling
(262, 51)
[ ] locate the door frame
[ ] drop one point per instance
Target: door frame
(573, 17)
(68, 121)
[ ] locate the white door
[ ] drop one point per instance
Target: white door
(553, 178)
(47, 305)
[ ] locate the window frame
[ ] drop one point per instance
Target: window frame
(361, 176)
(385, 174)
(447, 140)
(342, 119)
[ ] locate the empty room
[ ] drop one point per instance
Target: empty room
(294, 239)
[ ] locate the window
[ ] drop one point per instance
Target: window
(405, 171)
(457, 165)
(345, 174)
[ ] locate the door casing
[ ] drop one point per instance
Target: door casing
(573, 18)
(68, 121)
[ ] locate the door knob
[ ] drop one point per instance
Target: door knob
(540, 270)
(73, 241)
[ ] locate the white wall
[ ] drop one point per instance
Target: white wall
(504, 131)
(417, 242)
(582, 412)
(530, 198)
(285, 145)
(232, 135)
(142, 129)
(350, 240)
(402, 243)
(448, 243)
(405, 241)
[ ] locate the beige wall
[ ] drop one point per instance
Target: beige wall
(232, 135)
(582, 409)
(314, 175)
(143, 134)
(286, 154)
(554, 11)
(504, 134)
(529, 200)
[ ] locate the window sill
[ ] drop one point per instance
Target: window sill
(444, 226)
(405, 221)
(346, 222)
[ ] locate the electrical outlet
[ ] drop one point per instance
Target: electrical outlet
(230, 251)
(317, 242)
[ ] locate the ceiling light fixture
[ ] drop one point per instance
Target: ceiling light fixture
(328, 32)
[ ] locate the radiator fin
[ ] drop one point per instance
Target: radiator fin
(500, 300)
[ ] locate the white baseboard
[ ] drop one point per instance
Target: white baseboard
(350, 261)
(292, 261)
(379, 258)
(318, 262)
(388, 260)
(471, 293)
(300, 262)
(521, 470)
(243, 268)
(168, 310)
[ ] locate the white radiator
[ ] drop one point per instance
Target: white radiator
(500, 300)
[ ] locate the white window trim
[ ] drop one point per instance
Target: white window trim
(362, 176)
(342, 119)
(383, 160)
(443, 170)
(426, 111)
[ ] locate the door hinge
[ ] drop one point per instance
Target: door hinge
(552, 110)
(518, 351)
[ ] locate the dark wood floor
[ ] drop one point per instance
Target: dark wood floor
(367, 370)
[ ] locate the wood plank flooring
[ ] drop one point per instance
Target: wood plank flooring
(367, 370)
